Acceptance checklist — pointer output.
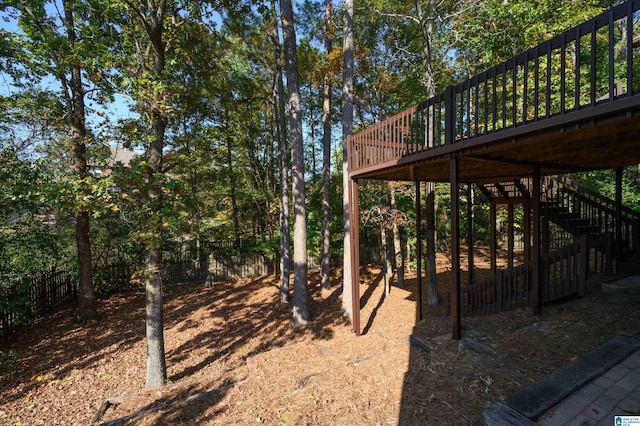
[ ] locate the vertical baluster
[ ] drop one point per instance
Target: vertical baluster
(463, 111)
(391, 130)
(390, 150)
(405, 132)
(441, 126)
(629, 48)
(476, 108)
(525, 93)
(431, 119)
(536, 85)
(577, 71)
(486, 104)
(402, 135)
(421, 124)
(414, 128)
(503, 73)
(460, 116)
(386, 129)
(450, 115)
(593, 63)
(514, 105)
(437, 112)
(612, 84)
(563, 73)
(468, 110)
(548, 88)
(428, 131)
(409, 132)
(391, 138)
(494, 104)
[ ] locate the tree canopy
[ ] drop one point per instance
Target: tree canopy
(206, 95)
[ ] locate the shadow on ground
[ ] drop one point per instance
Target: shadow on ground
(452, 382)
(223, 325)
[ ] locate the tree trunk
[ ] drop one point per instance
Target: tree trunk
(397, 244)
(432, 276)
(285, 236)
(86, 298)
(347, 130)
(386, 258)
(156, 368)
(427, 23)
(76, 116)
(325, 275)
(300, 271)
(232, 194)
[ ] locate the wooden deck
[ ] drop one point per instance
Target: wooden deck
(570, 104)
(606, 141)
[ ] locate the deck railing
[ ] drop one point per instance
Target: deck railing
(564, 273)
(591, 64)
(597, 212)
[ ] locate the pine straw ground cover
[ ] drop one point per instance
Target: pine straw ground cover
(234, 358)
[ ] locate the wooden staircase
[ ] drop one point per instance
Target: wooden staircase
(580, 237)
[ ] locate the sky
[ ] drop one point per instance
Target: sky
(118, 109)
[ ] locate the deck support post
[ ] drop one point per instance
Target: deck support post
(536, 260)
(456, 316)
(355, 255)
(470, 254)
(418, 254)
(618, 243)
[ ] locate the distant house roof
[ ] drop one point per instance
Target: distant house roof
(119, 154)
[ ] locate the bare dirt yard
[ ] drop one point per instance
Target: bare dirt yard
(233, 357)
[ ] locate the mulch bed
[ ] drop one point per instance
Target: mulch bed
(234, 357)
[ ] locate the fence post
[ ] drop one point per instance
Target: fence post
(42, 295)
(635, 242)
(500, 292)
(448, 303)
(608, 250)
(584, 266)
(52, 291)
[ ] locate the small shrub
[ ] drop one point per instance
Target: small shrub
(8, 361)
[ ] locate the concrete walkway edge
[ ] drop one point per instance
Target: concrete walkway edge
(527, 405)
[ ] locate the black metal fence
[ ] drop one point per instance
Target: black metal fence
(35, 296)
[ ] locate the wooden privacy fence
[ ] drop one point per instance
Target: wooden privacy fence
(239, 266)
(37, 296)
